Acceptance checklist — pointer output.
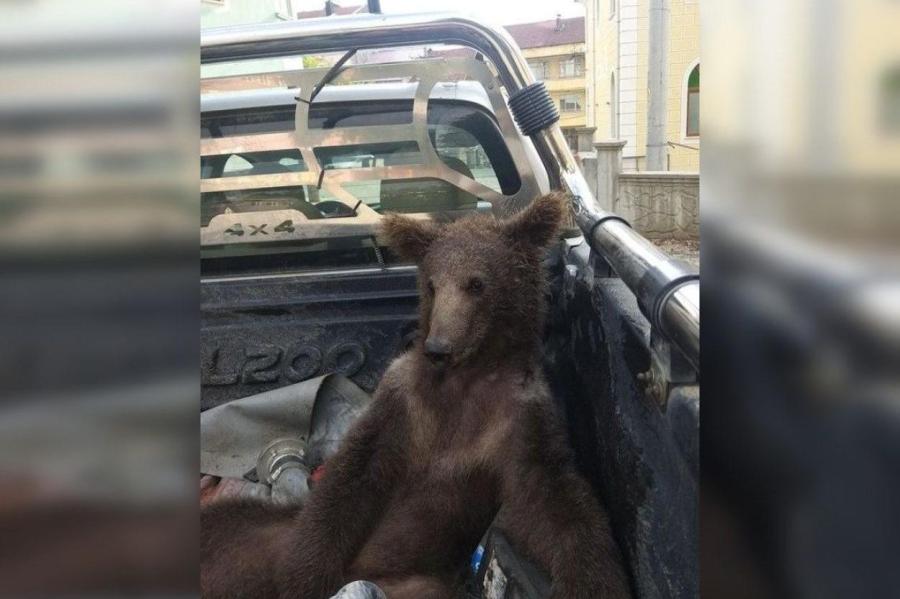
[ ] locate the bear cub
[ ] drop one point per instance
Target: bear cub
(462, 433)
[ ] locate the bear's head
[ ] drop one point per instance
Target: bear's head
(480, 280)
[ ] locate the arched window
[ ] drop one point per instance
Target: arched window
(692, 103)
(613, 105)
(890, 101)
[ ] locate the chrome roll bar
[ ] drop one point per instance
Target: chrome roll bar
(667, 291)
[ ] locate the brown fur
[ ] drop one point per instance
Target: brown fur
(445, 448)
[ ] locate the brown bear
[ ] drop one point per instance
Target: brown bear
(462, 430)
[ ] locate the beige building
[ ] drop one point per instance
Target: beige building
(555, 50)
(616, 59)
(833, 99)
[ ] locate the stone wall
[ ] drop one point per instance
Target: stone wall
(660, 205)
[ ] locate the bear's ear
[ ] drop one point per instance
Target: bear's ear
(539, 223)
(408, 237)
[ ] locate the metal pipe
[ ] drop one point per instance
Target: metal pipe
(680, 319)
(665, 289)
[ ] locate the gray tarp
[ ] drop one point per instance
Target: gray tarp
(318, 411)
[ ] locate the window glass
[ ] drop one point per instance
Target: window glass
(694, 78)
(369, 155)
(252, 163)
(692, 126)
(233, 123)
(360, 114)
(890, 101)
(327, 115)
(570, 67)
(473, 139)
(237, 165)
(462, 152)
(539, 70)
(570, 103)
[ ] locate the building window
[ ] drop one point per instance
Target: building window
(570, 103)
(890, 101)
(692, 104)
(539, 70)
(571, 136)
(571, 67)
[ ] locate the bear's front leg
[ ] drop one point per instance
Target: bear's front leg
(240, 543)
(549, 511)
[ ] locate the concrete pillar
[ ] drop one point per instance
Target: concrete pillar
(588, 163)
(657, 84)
(585, 138)
(609, 165)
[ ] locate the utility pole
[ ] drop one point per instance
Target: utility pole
(657, 84)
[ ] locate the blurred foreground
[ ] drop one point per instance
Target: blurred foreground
(801, 298)
(98, 216)
(800, 193)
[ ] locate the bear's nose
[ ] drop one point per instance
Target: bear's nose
(437, 350)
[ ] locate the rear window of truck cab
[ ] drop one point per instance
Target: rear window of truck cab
(465, 137)
(292, 181)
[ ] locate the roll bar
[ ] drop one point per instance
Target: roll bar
(667, 291)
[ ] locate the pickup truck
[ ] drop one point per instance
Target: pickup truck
(297, 166)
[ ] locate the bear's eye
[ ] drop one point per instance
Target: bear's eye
(475, 285)
(431, 287)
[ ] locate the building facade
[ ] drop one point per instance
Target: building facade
(223, 13)
(220, 13)
(555, 51)
(617, 41)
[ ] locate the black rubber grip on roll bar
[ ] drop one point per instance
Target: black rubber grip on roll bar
(533, 108)
(605, 219)
(655, 287)
(589, 219)
(667, 292)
